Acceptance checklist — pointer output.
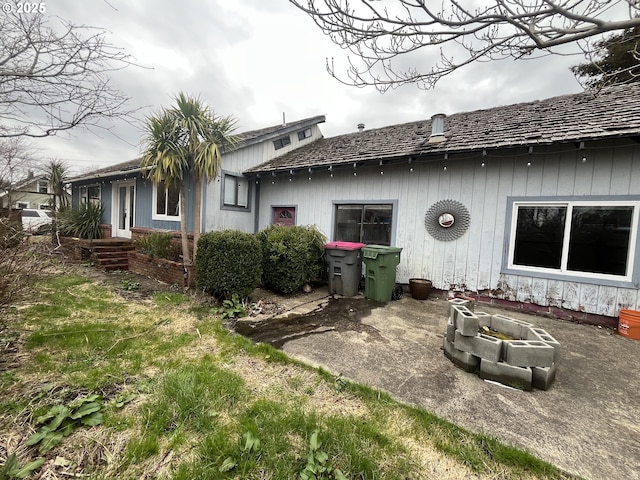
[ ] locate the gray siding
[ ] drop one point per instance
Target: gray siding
(474, 261)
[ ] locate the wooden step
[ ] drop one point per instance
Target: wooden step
(112, 248)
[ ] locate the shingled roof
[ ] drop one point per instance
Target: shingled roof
(246, 138)
(611, 113)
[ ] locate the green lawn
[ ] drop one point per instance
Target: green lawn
(157, 388)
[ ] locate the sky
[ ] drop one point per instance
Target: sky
(259, 59)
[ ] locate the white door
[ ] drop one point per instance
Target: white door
(125, 200)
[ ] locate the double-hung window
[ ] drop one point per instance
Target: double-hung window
(235, 192)
(577, 238)
(166, 205)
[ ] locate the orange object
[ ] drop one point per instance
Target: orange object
(629, 324)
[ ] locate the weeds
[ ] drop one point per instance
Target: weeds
(317, 467)
(232, 308)
(184, 398)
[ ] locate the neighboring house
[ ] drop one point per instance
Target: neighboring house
(537, 202)
(131, 201)
(32, 192)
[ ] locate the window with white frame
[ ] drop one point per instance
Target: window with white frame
(90, 194)
(364, 223)
(589, 239)
(166, 202)
(235, 191)
(22, 204)
(43, 186)
(302, 134)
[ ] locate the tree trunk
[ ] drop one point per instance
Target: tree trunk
(186, 256)
(197, 215)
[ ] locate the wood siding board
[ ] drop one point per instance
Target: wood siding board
(524, 289)
(627, 298)
(567, 173)
(588, 297)
(621, 173)
(602, 170)
(607, 301)
(550, 175)
(570, 295)
(554, 293)
(539, 291)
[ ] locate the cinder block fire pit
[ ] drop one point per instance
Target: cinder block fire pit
(500, 348)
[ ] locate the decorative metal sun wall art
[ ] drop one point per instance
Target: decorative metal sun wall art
(447, 220)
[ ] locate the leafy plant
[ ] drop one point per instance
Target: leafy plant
(317, 467)
(292, 256)
(251, 446)
(228, 262)
(232, 308)
(82, 222)
(12, 468)
(62, 420)
(130, 286)
(158, 244)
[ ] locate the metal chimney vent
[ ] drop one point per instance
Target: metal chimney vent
(437, 128)
(360, 127)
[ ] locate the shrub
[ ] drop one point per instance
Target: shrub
(160, 245)
(292, 257)
(11, 233)
(228, 262)
(82, 222)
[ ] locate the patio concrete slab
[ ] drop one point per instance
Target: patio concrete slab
(587, 423)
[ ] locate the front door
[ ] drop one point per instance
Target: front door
(125, 200)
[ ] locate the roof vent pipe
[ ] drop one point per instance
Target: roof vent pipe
(360, 127)
(437, 128)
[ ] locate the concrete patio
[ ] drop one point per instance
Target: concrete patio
(587, 423)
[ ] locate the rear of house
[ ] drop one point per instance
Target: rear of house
(541, 199)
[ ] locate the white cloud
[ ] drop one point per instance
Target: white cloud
(256, 59)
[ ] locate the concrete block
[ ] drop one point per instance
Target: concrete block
(518, 377)
(529, 353)
(543, 336)
(459, 302)
(483, 346)
(484, 319)
(543, 377)
(465, 321)
(464, 360)
(510, 326)
(451, 331)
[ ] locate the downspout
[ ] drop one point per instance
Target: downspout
(256, 200)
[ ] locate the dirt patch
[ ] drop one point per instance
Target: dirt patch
(335, 314)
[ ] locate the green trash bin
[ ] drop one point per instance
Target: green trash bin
(380, 271)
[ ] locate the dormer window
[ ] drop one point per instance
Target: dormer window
(281, 142)
(43, 186)
(302, 134)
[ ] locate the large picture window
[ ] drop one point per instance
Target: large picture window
(235, 192)
(581, 238)
(364, 223)
(166, 202)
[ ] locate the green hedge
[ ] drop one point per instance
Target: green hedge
(228, 262)
(292, 257)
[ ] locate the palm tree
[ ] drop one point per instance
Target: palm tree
(58, 176)
(186, 139)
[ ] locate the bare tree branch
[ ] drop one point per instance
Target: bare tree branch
(54, 76)
(384, 35)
